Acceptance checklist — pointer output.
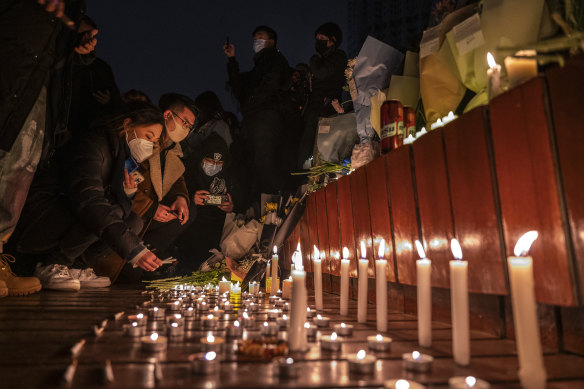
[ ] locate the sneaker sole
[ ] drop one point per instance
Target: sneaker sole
(94, 284)
(65, 287)
(24, 291)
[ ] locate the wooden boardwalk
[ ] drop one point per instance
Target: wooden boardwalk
(38, 331)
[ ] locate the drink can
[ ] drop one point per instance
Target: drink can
(392, 125)
(409, 122)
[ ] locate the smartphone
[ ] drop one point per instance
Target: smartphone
(131, 165)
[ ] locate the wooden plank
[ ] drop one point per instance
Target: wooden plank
(434, 204)
(361, 216)
(566, 94)
(379, 212)
(402, 194)
(473, 202)
(528, 187)
(346, 222)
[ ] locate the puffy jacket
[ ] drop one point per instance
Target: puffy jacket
(95, 176)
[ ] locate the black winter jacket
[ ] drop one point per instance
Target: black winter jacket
(263, 86)
(328, 76)
(94, 181)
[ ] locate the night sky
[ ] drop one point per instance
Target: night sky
(175, 45)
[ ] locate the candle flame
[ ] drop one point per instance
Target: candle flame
(297, 260)
(211, 339)
(289, 361)
(155, 309)
(416, 355)
(134, 324)
(275, 250)
(298, 247)
(319, 317)
(209, 316)
(363, 250)
(381, 251)
(154, 337)
(265, 324)
(223, 279)
(345, 253)
(190, 309)
(284, 317)
(140, 316)
(177, 316)
(307, 325)
(245, 315)
(524, 243)
(210, 355)
(316, 254)
(402, 384)
(176, 302)
(420, 249)
(491, 60)
(307, 309)
(343, 325)
(174, 324)
(334, 336)
(235, 323)
(361, 355)
(470, 381)
(456, 249)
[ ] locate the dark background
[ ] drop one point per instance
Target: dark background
(175, 45)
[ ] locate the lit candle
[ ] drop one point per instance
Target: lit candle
(459, 306)
(154, 343)
(297, 332)
(273, 314)
(175, 329)
(467, 382)
(424, 271)
(139, 318)
(134, 329)
(212, 343)
(521, 69)
(310, 329)
(345, 282)
(310, 313)
(402, 384)
(234, 330)
(224, 285)
(204, 364)
(275, 280)
(317, 279)
(381, 288)
(532, 373)
(494, 74)
(379, 343)
(156, 313)
(330, 342)
(417, 362)
(210, 322)
(268, 278)
(322, 321)
(286, 367)
(343, 329)
(269, 328)
(283, 321)
(361, 363)
(174, 306)
(362, 297)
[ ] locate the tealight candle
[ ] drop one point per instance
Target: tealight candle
(272, 299)
(248, 322)
(175, 329)
(226, 306)
(286, 367)
(134, 329)
(202, 306)
(344, 329)
(417, 362)
(467, 383)
(379, 343)
(361, 363)
(204, 364)
(310, 313)
(269, 329)
(273, 314)
(188, 312)
(174, 306)
(330, 342)
(212, 343)
(283, 321)
(322, 321)
(235, 330)
(156, 313)
(210, 322)
(310, 329)
(402, 384)
(286, 307)
(280, 303)
(139, 318)
(224, 285)
(154, 343)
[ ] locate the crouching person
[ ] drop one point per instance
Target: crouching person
(96, 205)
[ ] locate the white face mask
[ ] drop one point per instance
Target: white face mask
(179, 133)
(141, 149)
(258, 45)
(211, 169)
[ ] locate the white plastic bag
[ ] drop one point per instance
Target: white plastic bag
(238, 241)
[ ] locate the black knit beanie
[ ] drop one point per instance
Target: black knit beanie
(331, 30)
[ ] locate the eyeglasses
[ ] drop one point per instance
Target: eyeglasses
(186, 124)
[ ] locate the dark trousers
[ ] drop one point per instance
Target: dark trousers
(306, 146)
(160, 236)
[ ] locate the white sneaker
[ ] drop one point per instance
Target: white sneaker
(89, 279)
(56, 277)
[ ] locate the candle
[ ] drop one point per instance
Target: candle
(287, 288)
(521, 69)
(234, 330)
(297, 332)
(532, 373)
(188, 312)
(379, 343)
(330, 342)
(174, 306)
(402, 384)
(417, 362)
(212, 343)
(310, 329)
(268, 278)
(361, 363)
(345, 282)
(273, 314)
(275, 280)
(283, 321)
(154, 343)
(134, 329)
(381, 288)
(310, 313)
(286, 367)
(343, 329)
(210, 322)
(248, 322)
(175, 329)
(156, 313)
(140, 318)
(269, 329)
(202, 306)
(204, 364)
(321, 321)
(459, 306)
(494, 74)
(224, 285)
(317, 262)
(467, 383)
(424, 271)
(362, 297)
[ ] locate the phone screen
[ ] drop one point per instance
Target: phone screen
(131, 165)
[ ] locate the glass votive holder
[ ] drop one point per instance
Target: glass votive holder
(343, 329)
(188, 312)
(205, 363)
(175, 305)
(417, 362)
(379, 343)
(279, 303)
(361, 363)
(310, 313)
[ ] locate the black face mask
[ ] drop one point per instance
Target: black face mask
(320, 46)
